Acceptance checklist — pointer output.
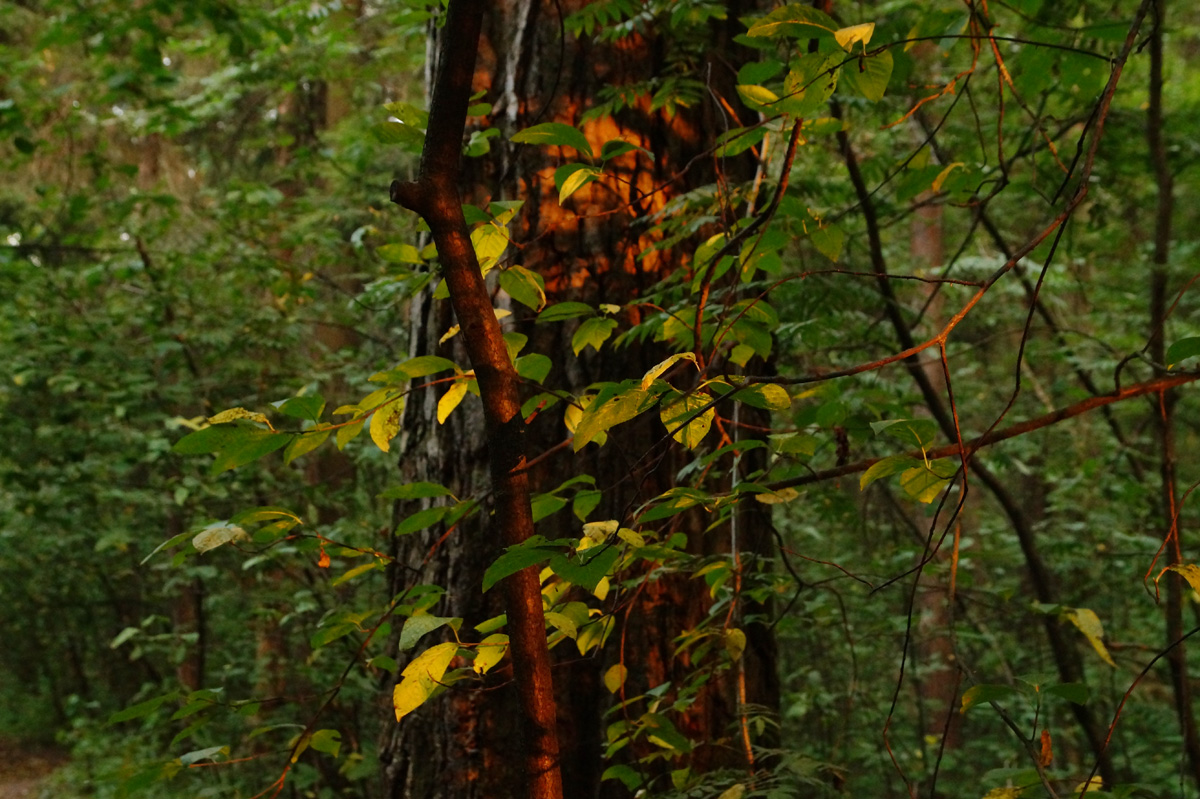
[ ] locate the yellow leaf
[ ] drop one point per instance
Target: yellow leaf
(421, 677)
(777, 497)
(450, 400)
(385, 423)
(655, 371)
(735, 643)
(490, 652)
(733, 792)
(1089, 624)
(1189, 572)
(238, 413)
(848, 37)
(614, 678)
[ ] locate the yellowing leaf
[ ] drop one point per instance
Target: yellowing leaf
(1089, 624)
(213, 537)
(1003, 793)
(777, 497)
(238, 413)
(421, 678)
(385, 423)
(735, 643)
(614, 678)
(663, 366)
(491, 651)
(450, 400)
(848, 37)
(598, 532)
(688, 418)
(1189, 572)
(733, 792)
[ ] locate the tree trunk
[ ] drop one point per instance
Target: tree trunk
(462, 744)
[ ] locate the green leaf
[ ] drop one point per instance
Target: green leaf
(216, 535)
(416, 491)
(533, 551)
(922, 483)
(562, 623)
(534, 366)
(767, 396)
(1180, 350)
(421, 677)
(422, 519)
(554, 133)
(869, 75)
(348, 433)
(1074, 692)
(524, 286)
(142, 709)
(209, 753)
(355, 572)
(587, 568)
(565, 310)
(829, 240)
(614, 678)
(984, 693)
(593, 332)
(415, 627)
(629, 777)
(248, 445)
(544, 505)
(399, 254)
(207, 440)
(890, 465)
(309, 407)
(305, 443)
(327, 741)
(758, 98)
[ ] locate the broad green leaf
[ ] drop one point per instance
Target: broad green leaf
(309, 407)
(808, 87)
(984, 693)
(305, 443)
(528, 553)
(593, 332)
(1089, 624)
(421, 366)
(672, 501)
(1075, 692)
(544, 505)
(534, 366)
(399, 254)
(416, 491)
(348, 433)
(250, 444)
(422, 519)
(829, 240)
(893, 464)
(618, 147)
(1181, 350)
(661, 732)
(217, 535)
(565, 310)
(587, 568)
(629, 777)
(327, 741)
(524, 286)
(357, 571)
(207, 440)
(491, 650)
(142, 709)
(869, 75)
(688, 418)
(737, 141)
(759, 71)
(415, 627)
(421, 678)
(385, 423)
(554, 133)
(585, 502)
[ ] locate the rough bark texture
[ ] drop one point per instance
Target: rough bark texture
(462, 745)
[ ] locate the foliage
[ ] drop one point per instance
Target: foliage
(204, 292)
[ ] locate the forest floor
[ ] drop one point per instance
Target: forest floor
(22, 768)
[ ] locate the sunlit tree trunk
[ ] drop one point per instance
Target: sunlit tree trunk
(462, 744)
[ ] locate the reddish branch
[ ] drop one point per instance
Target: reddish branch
(1021, 428)
(434, 195)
